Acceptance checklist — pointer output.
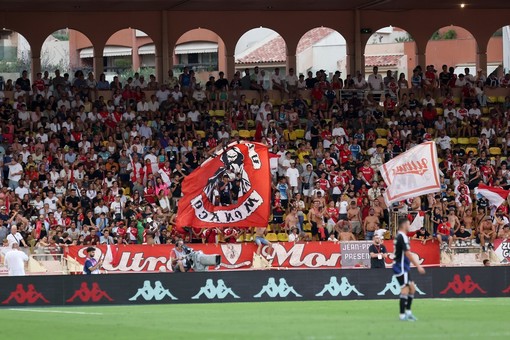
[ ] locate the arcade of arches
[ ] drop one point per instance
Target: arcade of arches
(166, 29)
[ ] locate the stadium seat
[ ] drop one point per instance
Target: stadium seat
(283, 237)
(211, 113)
(272, 237)
(234, 133)
(219, 113)
(252, 133)
(492, 99)
(300, 133)
(244, 134)
(474, 150)
(307, 226)
(453, 140)
(456, 100)
(381, 132)
(473, 140)
(248, 237)
(485, 110)
(501, 99)
(484, 119)
(463, 141)
(286, 135)
(200, 133)
(292, 136)
(381, 141)
(494, 151)
(439, 111)
(240, 238)
(250, 123)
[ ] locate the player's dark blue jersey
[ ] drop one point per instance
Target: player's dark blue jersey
(401, 263)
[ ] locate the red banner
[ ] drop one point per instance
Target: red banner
(143, 258)
(207, 200)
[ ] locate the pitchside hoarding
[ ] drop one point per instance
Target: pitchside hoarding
(249, 286)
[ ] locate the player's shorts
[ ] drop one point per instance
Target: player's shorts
(444, 238)
(259, 240)
(404, 279)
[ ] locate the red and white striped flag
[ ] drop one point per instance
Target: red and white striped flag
(417, 222)
(112, 255)
(496, 196)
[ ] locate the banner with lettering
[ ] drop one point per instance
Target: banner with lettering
(155, 258)
(233, 188)
(502, 250)
(412, 173)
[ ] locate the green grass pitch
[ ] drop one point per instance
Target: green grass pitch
(438, 319)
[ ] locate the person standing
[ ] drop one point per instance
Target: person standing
(401, 267)
(91, 264)
(15, 237)
(377, 253)
(15, 261)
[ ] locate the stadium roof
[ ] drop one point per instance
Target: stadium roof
(240, 5)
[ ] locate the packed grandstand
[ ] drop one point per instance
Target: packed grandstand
(88, 162)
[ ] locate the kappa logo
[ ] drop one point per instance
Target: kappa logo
(220, 291)
(86, 294)
(277, 290)
(414, 167)
(233, 161)
(394, 287)
(232, 252)
(458, 286)
(30, 296)
(148, 293)
(334, 288)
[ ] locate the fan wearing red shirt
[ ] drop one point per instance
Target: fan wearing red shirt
(444, 232)
(317, 93)
(324, 183)
(329, 161)
(332, 212)
(367, 171)
(210, 235)
(345, 153)
(230, 235)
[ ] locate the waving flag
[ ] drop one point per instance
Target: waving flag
(112, 255)
(411, 174)
(417, 222)
(496, 196)
(248, 163)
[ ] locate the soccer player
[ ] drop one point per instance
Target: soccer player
(401, 267)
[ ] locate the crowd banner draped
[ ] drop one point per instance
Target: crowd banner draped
(204, 204)
(317, 255)
(496, 196)
(411, 174)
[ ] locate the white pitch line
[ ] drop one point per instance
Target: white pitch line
(53, 311)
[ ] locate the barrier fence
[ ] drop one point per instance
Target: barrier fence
(249, 286)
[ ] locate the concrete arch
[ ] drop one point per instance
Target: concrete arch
(335, 46)
(202, 34)
(398, 41)
(462, 50)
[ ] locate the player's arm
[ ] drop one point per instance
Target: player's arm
(413, 260)
(96, 266)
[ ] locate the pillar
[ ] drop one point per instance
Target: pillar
(158, 61)
(231, 66)
(359, 56)
(98, 64)
(481, 61)
(36, 66)
(166, 63)
(291, 63)
(350, 66)
(420, 60)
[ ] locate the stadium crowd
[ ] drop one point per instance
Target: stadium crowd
(80, 167)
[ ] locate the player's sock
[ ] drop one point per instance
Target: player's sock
(410, 298)
(403, 304)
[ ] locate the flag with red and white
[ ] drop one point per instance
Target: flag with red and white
(112, 255)
(246, 163)
(418, 221)
(412, 173)
(496, 196)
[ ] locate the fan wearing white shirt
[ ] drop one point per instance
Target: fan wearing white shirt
(15, 261)
(375, 80)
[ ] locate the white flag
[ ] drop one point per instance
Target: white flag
(412, 174)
